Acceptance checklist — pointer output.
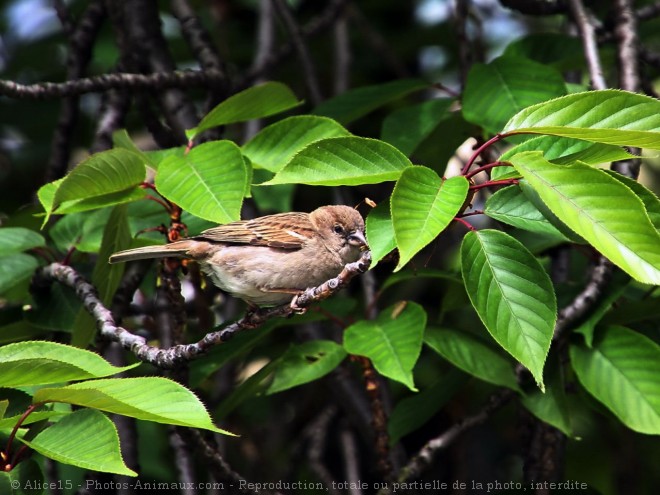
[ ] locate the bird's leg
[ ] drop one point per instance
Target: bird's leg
(294, 305)
(294, 292)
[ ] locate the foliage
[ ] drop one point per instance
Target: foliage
(489, 313)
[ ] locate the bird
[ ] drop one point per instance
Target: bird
(268, 260)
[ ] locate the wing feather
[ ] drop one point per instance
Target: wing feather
(283, 230)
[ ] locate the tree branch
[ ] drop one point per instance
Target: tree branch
(105, 82)
(201, 44)
(178, 354)
(81, 44)
(588, 35)
(427, 454)
(583, 303)
(627, 52)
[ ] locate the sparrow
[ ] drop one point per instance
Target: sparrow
(268, 260)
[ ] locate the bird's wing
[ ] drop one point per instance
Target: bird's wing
(284, 230)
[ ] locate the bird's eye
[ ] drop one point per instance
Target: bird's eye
(338, 229)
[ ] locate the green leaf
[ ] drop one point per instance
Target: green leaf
(38, 363)
(156, 157)
(69, 441)
(420, 273)
(17, 239)
(276, 144)
(563, 150)
(650, 200)
(550, 407)
(256, 102)
(343, 161)
(510, 205)
(305, 363)
(561, 51)
(441, 145)
(380, 232)
(607, 116)
(106, 277)
(121, 139)
(494, 92)
(47, 192)
(472, 356)
(116, 237)
(27, 476)
(6, 480)
(148, 398)
(84, 231)
(103, 173)
(423, 205)
(218, 356)
(534, 198)
(512, 294)
(600, 209)
(621, 371)
(254, 386)
(273, 198)
(18, 331)
(46, 196)
(411, 413)
(355, 103)
(111, 199)
(208, 182)
(35, 417)
(15, 269)
(407, 127)
(393, 341)
(628, 312)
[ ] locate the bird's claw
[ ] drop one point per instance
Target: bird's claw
(295, 308)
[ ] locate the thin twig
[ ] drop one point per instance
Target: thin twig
(378, 417)
(427, 454)
(627, 52)
(483, 168)
(114, 107)
(151, 52)
(307, 65)
(201, 44)
(648, 11)
(583, 303)
(351, 460)
(342, 56)
(376, 41)
(64, 15)
(198, 38)
(219, 465)
(184, 462)
(480, 150)
(317, 432)
(588, 35)
(629, 76)
(264, 51)
(314, 27)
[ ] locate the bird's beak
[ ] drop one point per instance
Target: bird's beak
(357, 239)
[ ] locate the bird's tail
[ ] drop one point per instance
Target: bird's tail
(179, 248)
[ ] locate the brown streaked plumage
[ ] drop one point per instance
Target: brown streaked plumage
(266, 260)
